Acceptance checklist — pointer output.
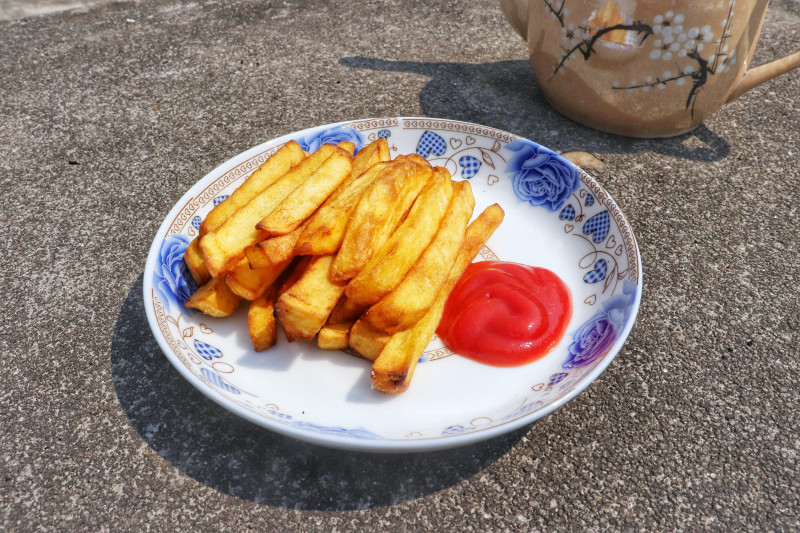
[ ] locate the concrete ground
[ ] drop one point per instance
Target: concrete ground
(108, 115)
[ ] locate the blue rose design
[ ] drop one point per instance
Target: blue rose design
(539, 176)
(171, 279)
(595, 337)
(331, 136)
(591, 342)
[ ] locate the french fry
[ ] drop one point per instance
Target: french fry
(278, 164)
(305, 306)
(346, 310)
(334, 336)
(273, 250)
(293, 273)
(194, 261)
(381, 208)
(323, 232)
(348, 147)
(392, 370)
(250, 283)
(383, 149)
(214, 299)
(367, 340)
(392, 262)
(261, 321)
(374, 152)
(309, 195)
(224, 247)
(412, 298)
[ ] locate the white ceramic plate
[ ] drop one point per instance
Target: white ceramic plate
(557, 217)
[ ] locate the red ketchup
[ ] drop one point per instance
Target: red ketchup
(505, 314)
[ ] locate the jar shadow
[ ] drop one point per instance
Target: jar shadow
(504, 95)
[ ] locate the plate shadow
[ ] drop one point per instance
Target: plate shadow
(504, 95)
(241, 459)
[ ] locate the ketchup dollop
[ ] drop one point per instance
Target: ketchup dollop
(505, 314)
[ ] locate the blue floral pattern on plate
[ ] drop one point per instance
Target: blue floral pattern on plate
(333, 135)
(595, 337)
(171, 278)
(541, 177)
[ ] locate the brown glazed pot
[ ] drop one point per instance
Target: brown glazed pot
(643, 68)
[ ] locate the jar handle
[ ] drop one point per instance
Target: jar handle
(757, 76)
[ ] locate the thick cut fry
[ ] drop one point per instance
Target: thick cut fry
(250, 283)
(366, 340)
(348, 147)
(309, 195)
(323, 232)
(293, 273)
(194, 261)
(224, 247)
(214, 299)
(304, 307)
(279, 163)
(372, 153)
(392, 370)
(334, 336)
(412, 298)
(383, 149)
(392, 262)
(261, 321)
(416, 158)
(379, 211)
(346, 310)
(272, 251)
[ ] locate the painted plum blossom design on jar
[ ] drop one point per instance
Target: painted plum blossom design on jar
(333, 135)
(597, 335)
(171, 279)
(689, 54)
(541, 177)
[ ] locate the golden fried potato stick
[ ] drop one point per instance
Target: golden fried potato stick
(323, 232)
(250, 283)
(346, 310)
(381, 208)
(309, 195)
(303, 309)
(278, 164)
(383, 149)
(261, 321)
(334, 336)
(374, 152)
(366, 340)
(348, 147)
(194, 261)
(391, 263)
(394, 367)
(293, 273)
(416, 158)
(273, 250)
(214, 299)
(224, 247)
(412, 298)
(335, 333)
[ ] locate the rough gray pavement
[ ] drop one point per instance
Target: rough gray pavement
(107, 116)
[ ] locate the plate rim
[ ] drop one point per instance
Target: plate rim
(343, 441)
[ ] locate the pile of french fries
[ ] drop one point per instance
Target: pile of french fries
(359, 251)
